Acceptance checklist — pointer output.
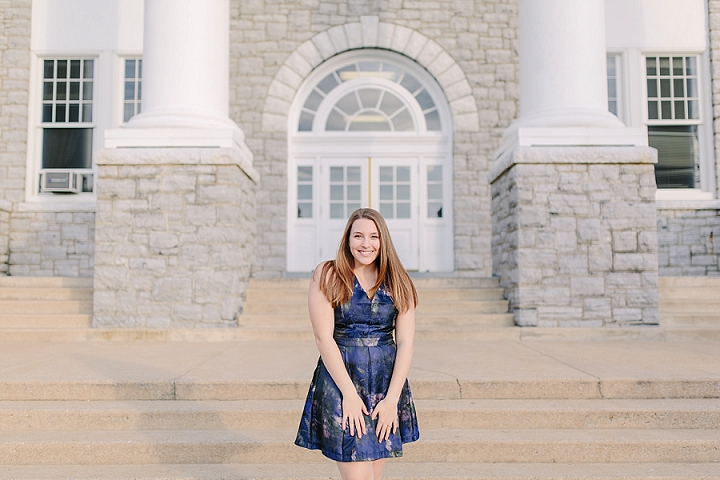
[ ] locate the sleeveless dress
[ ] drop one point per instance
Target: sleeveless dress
(364, 334)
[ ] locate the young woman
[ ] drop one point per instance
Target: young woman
(359, 410)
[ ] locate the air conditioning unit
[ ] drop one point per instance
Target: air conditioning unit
(65, 181)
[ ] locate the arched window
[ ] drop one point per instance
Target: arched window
(370, 106)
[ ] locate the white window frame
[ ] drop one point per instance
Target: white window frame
(620, 87)
(119, 87)
(704, 123)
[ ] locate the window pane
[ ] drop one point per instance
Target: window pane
(327, 83)
(304, 192)
(386, 174)
(74, 90)
(692, 87)
(139, 68)
(87, 112)
(432, 120)
(47, 91)
(348, 104)
(87, 90)
(47, 113)
(49, 69)
(353, 174)
(337, 192)
(410, 83)
(353, 192)
(130, 69)
(691, 66)
(390, 103)
(351, 207)
(403, 174)
(336, 174)
(425, 100)
(139, 92)
(665, 87)
(313, 101)
(403, 210)
(612, 90)
(337, 210)
(679, 110)
(386, 210)
(305, 174)
(653, 110)
(335, 122)
(369, 66)
(129, 111)
(677, 155)
(369, 97)
(305, 123)
(60, 111)
(435, 191)
(403, 192)
(677, 65)
(434, 210)
(664, 65)
(611, 66)
(61, 69)
(369, 122)
(434, 173)
(129, 90)
(88, 69)
(678, 90)
(67, 148)
(74, 68)
(666, 110)
(402, 122)
(693, 110)
(304, 210)
(651, 66)
(386, 192)
(652, 88)
(74, 113)
(61, 91)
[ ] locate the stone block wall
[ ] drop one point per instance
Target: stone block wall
(479, 36)
(575, 244)
(689, 242)
(714, 37)
(52, 244)
(175, 238)
(5, 208)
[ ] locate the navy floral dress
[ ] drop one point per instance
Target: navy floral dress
(364, 334)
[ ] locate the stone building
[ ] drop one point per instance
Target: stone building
(173, 149)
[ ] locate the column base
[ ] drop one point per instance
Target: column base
(175, 237)
(575, 236)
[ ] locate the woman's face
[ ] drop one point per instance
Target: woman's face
(364, 241)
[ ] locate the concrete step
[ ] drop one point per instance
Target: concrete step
(300, 320)
(8, 307)
(20, 293)
(68, 447)
(694, 293)
(394, 470)
(49, 320)
(688, 282)
(45, 282)
(285, 414)
(425, 295)
(689, 306)
(282, 307)
(668, 319)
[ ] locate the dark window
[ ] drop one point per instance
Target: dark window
(678, 155)
(67, 148)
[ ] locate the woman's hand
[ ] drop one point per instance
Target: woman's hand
(353, 409)
(387, 419)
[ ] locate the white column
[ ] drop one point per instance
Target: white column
(563, 78)
(185, 64)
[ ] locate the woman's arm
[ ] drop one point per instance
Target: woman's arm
(386, 409)
(323, 324)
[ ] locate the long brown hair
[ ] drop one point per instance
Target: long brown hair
(336, 277)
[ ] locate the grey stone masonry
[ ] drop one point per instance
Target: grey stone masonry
(714, 34)
(175, 237)
(689, 242)
(469, 46)
(5, 208)
(575, 235)
(52, 244)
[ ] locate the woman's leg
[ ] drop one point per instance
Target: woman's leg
(378, 466)
(356, 470)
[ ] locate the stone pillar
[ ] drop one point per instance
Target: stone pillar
(175, 225)
(573, 190)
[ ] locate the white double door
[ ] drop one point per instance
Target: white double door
(388, 185)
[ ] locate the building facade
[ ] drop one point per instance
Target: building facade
(174, 151)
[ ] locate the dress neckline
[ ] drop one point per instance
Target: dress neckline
(357, 280)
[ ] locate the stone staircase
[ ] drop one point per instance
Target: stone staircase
(66, 425)
(690, 302)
